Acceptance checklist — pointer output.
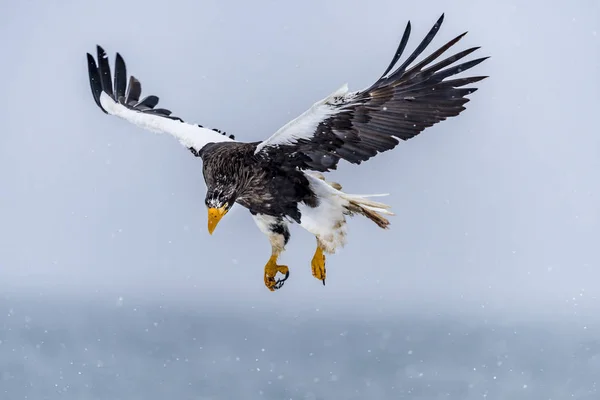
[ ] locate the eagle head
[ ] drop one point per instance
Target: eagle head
(219, 201)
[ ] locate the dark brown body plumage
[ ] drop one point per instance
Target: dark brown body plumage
(259, 184)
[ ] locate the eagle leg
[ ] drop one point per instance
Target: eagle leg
(278, 233)
(318, 263)
(271, 270)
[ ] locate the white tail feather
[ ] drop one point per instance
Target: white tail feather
(369, 204)
(371, 209)
(350, 203)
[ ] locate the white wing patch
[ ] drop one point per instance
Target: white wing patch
(188, 135)
(305, 125)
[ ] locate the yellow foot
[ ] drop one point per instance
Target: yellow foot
(318, 265)
(271, 270)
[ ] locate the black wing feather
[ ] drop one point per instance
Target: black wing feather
(95, 83)
(400, 49)
(120, 77)
(398, 106)
(104, 70)
(134, 91)
(430, 35)
(148, 102)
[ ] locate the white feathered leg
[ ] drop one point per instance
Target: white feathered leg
(277, 231)
(327, 221)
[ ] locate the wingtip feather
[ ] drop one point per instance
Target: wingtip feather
(95, 80)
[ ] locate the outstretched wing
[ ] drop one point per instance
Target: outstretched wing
(123, 100)
(356, 126)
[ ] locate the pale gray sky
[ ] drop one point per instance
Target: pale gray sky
(497, 210)
(496, 207)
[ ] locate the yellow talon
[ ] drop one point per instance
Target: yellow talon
(318, 265)
(271, 270)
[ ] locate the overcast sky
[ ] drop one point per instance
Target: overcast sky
(111, 287)
(497, 210)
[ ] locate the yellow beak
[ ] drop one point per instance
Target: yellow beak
(214, 216)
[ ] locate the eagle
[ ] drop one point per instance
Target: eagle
(280, 179)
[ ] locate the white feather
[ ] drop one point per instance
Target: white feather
(188, 135)
(305, 125)
(264, 223)
(327, 221)
(363, 199)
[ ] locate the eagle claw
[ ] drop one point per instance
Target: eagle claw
(279, 282)
(271, 270)
(318, 265)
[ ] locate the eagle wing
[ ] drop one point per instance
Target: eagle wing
(356, 126)
(123, 100)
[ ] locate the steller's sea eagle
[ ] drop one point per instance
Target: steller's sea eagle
(279, 180)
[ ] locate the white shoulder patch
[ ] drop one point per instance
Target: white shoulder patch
(188, 135)
(305, 125)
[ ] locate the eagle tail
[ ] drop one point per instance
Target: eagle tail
(358, 203)
(374, 210)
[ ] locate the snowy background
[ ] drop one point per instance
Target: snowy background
(487, 285)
